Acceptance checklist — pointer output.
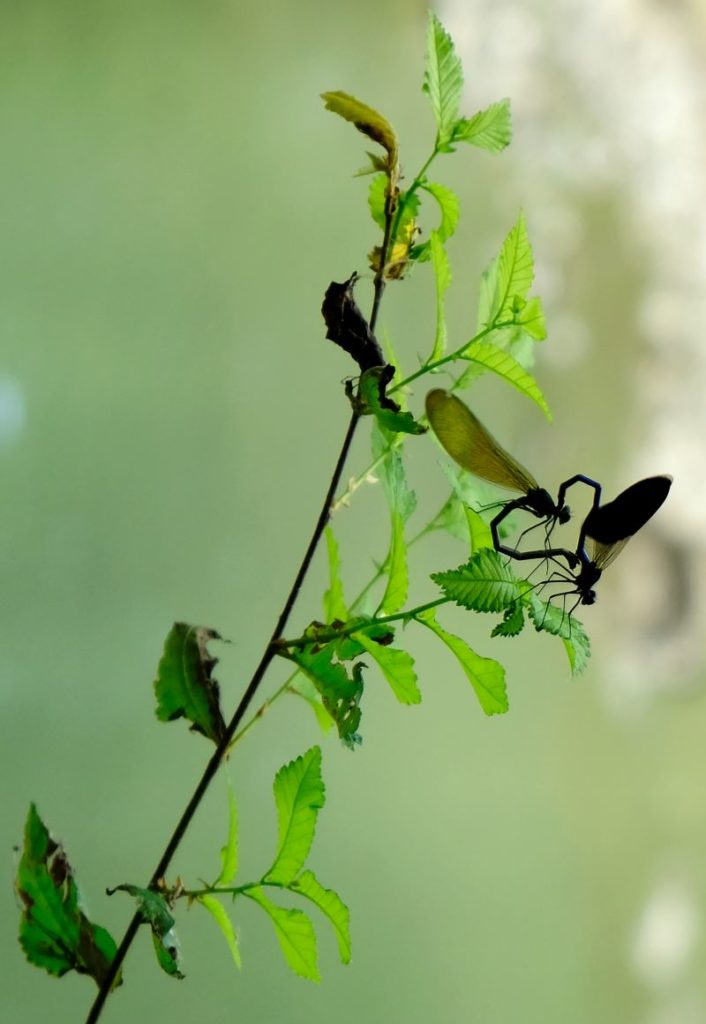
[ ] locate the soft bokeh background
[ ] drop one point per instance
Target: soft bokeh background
(174, 202)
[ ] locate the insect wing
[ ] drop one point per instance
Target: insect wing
(467, 441)
(602, 555)
(625, 515)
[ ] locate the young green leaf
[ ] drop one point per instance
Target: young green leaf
(506, 366)
(515, 273)
(484, 584)
(443, 80)
(340, 694)
(490, 129)
(334, 601)
(397, 586)
(513, 621)
(377, 192)
(450, 208)
(550, 619)
(153, 909)
(372, 400)
(184, 686)
(486, 676)
(229, 852)
(330, 904)
(302, 686)
(442, 280)
(530, 316)
(299, 796)
(220, 916)
(479, 532)
(366, 120)
(397, 667)
(295, 934)
(54, 931)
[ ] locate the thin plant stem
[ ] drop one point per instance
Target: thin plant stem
(269, 653)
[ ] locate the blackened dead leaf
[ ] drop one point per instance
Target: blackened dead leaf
(347, 327)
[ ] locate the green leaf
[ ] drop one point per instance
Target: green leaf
(486, 676)
(329, 903)
(229, 852)
(513, 621)
(219, 915)
(443, 80)
(400, 497)
(166, 948)
(299, 796)
(479, 531)
(54, 931)
(376, 199)
(340, 694)
(372, 400)
(450, 209)
(184, 686)
(506, 366)
(295, 934)
(397, 586)
(515, 273)
(365, 119)
(334, 601)
(402, 502)
(484, 584)
(550, 619)
(442, 280)
(490, 129)
(531, 318)
(302, 686)
(397, 667)
(153, 909)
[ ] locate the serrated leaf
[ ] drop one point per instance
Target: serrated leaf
(397, 586)
(486, 676)
(531, 319)
(184, 686)
(450, 208)
(366, 120)
(229, 852)
(397, 666)
(334, 600)
(295, 934)
(479, 532)
(329, 903)
(506, 366)
(299, 796)
(443, 79)
(484, 584)
(515, 273)
(400, 496)
(153, 909)
(340, 694)
(303, 687)
(55, 934)
(220, 916)
(513, 621)
(442, 280)
(550, 619)
(490, 129)
(372, 400)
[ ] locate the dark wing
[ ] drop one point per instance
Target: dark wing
(603, 554)
(467, 441)
(625, 515)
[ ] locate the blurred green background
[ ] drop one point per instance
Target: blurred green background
(174, 202)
